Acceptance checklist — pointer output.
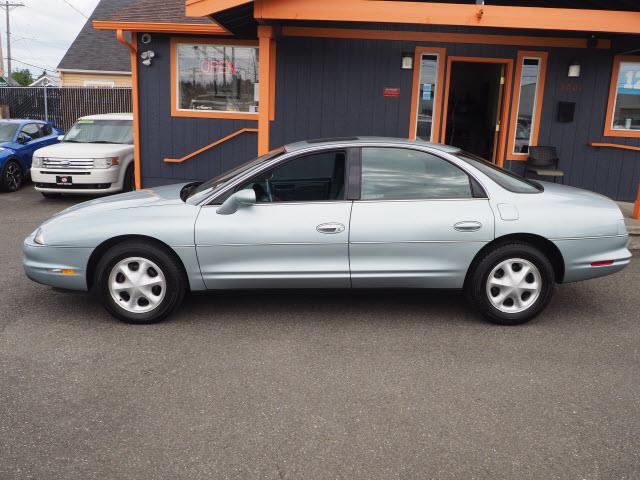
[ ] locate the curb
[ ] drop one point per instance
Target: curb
(634, 242)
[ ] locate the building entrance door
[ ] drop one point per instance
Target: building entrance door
(475, 106)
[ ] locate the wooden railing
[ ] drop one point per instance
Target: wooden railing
(211, 145)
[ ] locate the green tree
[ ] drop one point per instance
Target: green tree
(22, 77)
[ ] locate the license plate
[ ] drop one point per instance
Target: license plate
(64, 180)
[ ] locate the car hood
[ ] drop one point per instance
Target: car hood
(166, 195)
(84, 150)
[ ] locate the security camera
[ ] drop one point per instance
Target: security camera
(145, 38)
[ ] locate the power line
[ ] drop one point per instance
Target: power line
(47, 69)
(76, 9)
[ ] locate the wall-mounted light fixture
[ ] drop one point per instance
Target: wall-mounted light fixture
(574, 69)
(147, 56)
(407, 61)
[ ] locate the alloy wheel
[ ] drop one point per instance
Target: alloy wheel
(137, 284)
(13, 177)
(514, 285)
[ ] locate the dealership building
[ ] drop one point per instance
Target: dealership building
(217, 82)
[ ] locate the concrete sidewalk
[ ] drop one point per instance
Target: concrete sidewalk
(633, 226)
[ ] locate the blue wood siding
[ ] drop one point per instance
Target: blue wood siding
(334, 87)
(163, 136)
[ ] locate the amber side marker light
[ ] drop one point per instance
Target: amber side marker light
(602, 263)
(63, 271)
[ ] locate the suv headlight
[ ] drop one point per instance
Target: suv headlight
(105, 162)
(39, 237)
(36, 162)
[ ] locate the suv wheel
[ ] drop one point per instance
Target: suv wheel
(139, 283)
(511, 284)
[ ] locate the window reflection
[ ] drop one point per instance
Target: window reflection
(426, 97)
(526, 104)
(627, 107)
(401, 174)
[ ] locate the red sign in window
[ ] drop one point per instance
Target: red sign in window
(391, 92)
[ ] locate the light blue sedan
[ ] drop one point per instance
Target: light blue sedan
(339, 213)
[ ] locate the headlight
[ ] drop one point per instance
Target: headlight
(105, 162)
(39, 237)
(36, 162)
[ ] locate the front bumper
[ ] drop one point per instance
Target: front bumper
(580, 253)
(85, 181)
(43, 264)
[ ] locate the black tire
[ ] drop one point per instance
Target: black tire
(129, 181)
(51, 195)
(169, 267)
(12, 176)
(480, 293)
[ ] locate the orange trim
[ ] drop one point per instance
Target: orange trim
(537, 111)
(615, 145)
(133, 53)
(415, 91)
(175, 112)
(608, 122)
(448, 14)
(203, 8)
(437, 37)
(636, 206)
(211, 145)
(272, 81)
(192, 28)
(504, 117)
(265, 56)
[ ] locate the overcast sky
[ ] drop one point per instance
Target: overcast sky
(42, 30)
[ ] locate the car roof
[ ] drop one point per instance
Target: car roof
(362, 141)
(21, 120)
(109, 116)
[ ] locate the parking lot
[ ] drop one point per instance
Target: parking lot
(368, 385)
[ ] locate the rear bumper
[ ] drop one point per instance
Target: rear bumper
(579, 254)
(43, 264)
(84, 180)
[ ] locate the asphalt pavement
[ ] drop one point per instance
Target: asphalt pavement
(369, 385)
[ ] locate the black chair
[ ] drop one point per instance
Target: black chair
(543, 161)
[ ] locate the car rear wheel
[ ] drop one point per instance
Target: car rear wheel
(511, 284)
(139, 283)
(12, 176)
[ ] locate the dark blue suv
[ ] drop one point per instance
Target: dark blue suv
(18, 140)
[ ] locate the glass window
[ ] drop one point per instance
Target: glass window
(46, 129)
(219, 78)
(397, 174)
(312, 178)
(101, 131)
(529, 80)
(32, 129)
(626, 113)
(506, 179)
(426, 96)
(7, 131)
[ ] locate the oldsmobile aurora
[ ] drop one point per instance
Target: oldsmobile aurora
(336, 213)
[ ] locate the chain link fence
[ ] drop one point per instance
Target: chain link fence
(63, 105)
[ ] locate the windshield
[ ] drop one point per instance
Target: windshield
(8, 131)
(101, 131)
(506, 179)
(220, 181)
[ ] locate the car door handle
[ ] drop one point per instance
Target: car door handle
(467, 226)
(332, 227)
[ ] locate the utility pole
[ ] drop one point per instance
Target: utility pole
(7, 6)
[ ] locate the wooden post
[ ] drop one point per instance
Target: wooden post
(265, 59)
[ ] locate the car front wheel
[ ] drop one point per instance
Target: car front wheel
(12, 176)
(511, 284)
(139, 283)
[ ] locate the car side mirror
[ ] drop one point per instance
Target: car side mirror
(24, 139)
(60, 138)
(237, 200)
